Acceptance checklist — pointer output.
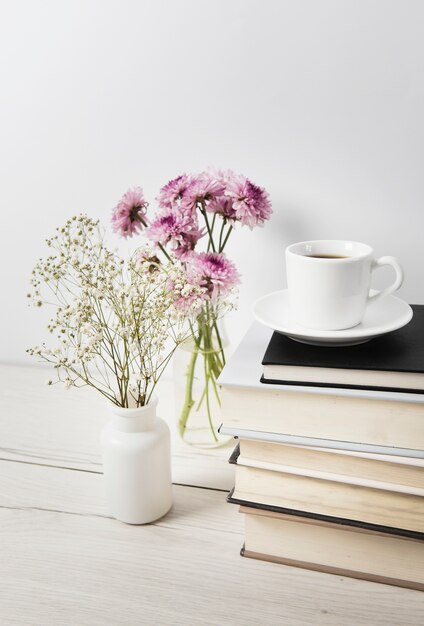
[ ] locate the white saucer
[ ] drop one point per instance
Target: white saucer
(381, 317)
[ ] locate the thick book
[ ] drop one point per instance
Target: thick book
(345, 521)
(387, 422)
(328, 444)
(384, 422)
(377, 505)
(394, 361)
(393, 473)
(333, 548)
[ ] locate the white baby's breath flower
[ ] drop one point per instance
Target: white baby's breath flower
(113, 319)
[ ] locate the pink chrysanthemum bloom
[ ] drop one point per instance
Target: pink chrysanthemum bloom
(250, 202)
(129, 215)
(174, 191)
(222, 176)
(177, 228)
(203, 188)
(214, 272)
(223, 206)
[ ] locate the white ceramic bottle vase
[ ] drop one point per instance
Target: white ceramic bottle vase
(137, 464)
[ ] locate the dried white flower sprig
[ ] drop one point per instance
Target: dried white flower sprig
(116, 322)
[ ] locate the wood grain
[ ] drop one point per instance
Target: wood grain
(65, 562)
(51, 426)
(79, 567)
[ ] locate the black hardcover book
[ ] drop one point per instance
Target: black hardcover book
(394, 361)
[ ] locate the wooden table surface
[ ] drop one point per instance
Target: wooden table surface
(64, 560)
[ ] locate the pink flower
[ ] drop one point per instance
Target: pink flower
(173, 191)
(250, 202)
(223, 176)
(214, 272)
(129, 215)
(178, 228)
(223, 206)
(202, 188)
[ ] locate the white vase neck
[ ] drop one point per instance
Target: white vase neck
(134, 420)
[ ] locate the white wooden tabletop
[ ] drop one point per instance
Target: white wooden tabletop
(65, 561)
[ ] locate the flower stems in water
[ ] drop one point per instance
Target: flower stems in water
(188, 399)
(207, 345)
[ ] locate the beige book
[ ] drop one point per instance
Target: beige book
(330, 498)
(391, 472)
(336, 416)
(334, 548)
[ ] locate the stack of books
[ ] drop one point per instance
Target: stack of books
(329, 464)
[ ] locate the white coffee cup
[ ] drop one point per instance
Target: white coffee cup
(329, 282)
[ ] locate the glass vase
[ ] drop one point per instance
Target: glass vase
(198, 363)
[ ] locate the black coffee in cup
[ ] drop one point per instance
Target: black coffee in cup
(326, 256)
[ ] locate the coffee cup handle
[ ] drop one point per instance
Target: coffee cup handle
(387, 260)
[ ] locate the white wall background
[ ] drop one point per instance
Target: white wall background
(319, 101)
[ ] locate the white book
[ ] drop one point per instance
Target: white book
(334, 548)
(380, 422)
(378, 504)
(319, 474)
(322, 443)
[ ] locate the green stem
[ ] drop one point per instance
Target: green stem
(207, 343)
(188, 400)
(215, 388)
(160, 246)
(224, 221)
(216, 364)
(195, 339)
(222, 246)
(208, 408)
(211, 234)
(202, 397)
(203, 212)
(221, 347)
